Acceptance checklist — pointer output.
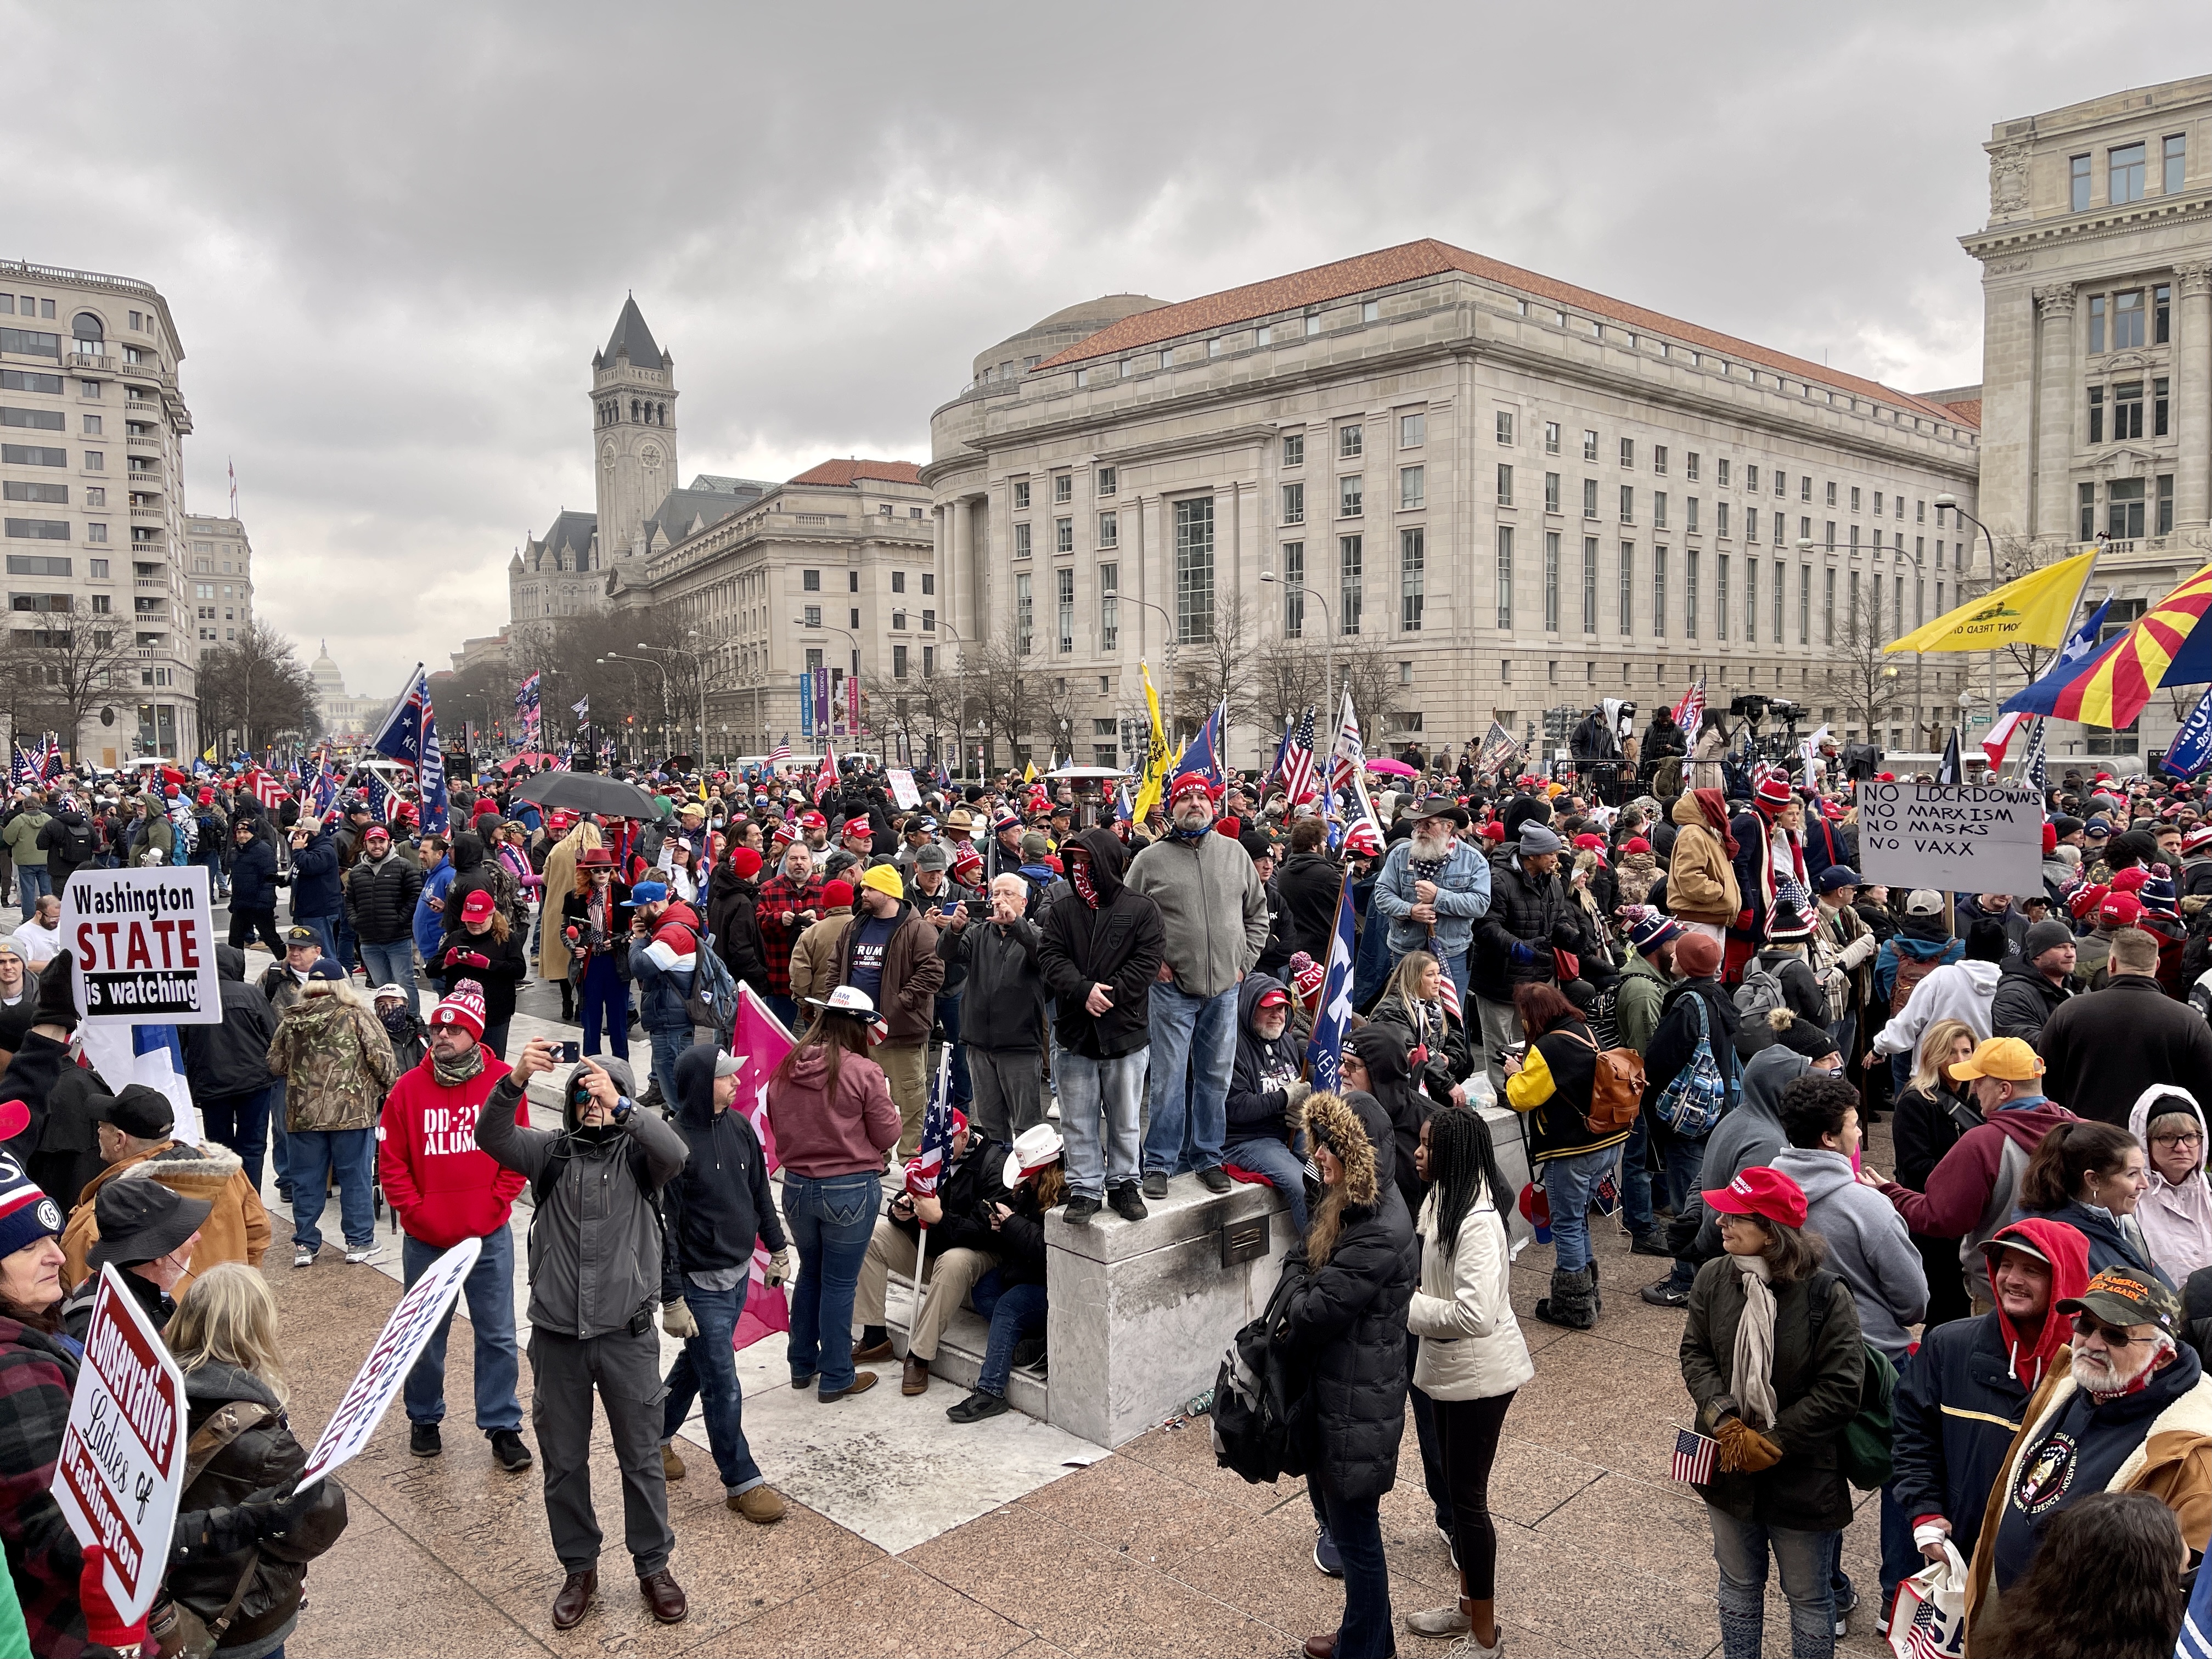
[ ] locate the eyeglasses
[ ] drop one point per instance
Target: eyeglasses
(2177, 1140)
(2087, 1324)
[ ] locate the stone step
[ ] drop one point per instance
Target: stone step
(959, 1358)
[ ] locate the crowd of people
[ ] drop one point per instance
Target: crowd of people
(1684, 1010)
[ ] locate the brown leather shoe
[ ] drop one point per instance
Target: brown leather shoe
(862, 1382)
(578, 1592)
(916, 1380)
(873, 1356)
(665, 1596)
(1322, 1646)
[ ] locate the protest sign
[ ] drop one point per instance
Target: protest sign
(903, 789)
(143, 942)
(121, 1468)
(1956, 837)
(378, 1382)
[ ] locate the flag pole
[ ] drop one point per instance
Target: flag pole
(921, 1244)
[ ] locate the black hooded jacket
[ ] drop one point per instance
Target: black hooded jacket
(1259, 1095)
(734, 922)
(231, 1061)
(971, 1184)
(1309, 884)
(1390, 1081)
(1110, 936)
(719, 1204)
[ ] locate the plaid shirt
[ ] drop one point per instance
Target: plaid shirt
(37, 1377)
(781, 925)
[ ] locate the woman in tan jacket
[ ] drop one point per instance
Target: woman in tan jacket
(560, 881)
(1707, 753)
(1701, 886)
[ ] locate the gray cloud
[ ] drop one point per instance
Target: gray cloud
(392, 236)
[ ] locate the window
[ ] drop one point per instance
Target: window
(103, 604)
(1828, 607)
(1063, 535)
(2124, 179)
(1751, 479)
(25, 379)
(898, 582)
(1414, 429)
(1690, 593)
(1659, 459)
(1658, 509)
(1021, 495)
(2096, 414)
(2127, 319)
(1589, 446)
(928, 581)
(1193, 568)
(810, 582)
(1109, 480)
(55, 495)
(2096, 323)
(1551, 581)
(1409, 429)
(2161, 314)
(1689, 466)
(1551, 492)
(1064, 600)
(33, 455)
(929, 622)
(1025, 614)
(1628, 452)
(898, 662)
(1551, 437)
(1294, 597)
(1832, 492)
(1349, 495)
(31, 343)
(1021, 541)
(1855, 540)
(2165, 521)
(1347, 584)
(1721, 475)
(1110, 529)
(1659, 593)
(1855, 499)
(1371, 310)
(853, 617)
(1628, 504)
(1410, 478)
(2088, 505)
(1805, 604)
(1781, 528)
(1294, 503)
(2127, 409)
(1689, 523)
(814, 615)
(99, 568)
(1350, 442)
(1063, 489)
(92, 426)
(1751, 601)
(1109, 606)
(1167, 357)
(39, 420)
(1294, 450)
(1720, 518)
(37, 529)
(853, 582)
(1805, 488)
(1627, 588)
(1781, 580)
(1413, 559)
(1505, 578)
(2123, 509)
(2077, 170)
(1589, 584)
(1831, 542)
(1589, 498)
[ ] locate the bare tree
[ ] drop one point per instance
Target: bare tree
(1286, 679)
(1002, 689)
(1220, 668)
(64, 672)
(1857, 677)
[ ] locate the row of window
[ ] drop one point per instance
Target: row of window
(2125, 400)
(2127, 172)
(1265, 334)
(95, 460)
(2118, 321)
(810, 582)
(2125, 503)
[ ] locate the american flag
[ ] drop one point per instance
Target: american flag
(581, 708)
(1298, 762)
(264, 788)
(26, 769)
(782, 751)
(2194, 1641)
(1448, 988)
(50, 759)
(1692, 1463)
(1348, 756)
(1332, 1015)
(927, 1167)
(323, 792)
(1691, 708)
(1925, 1640)
(526, 701)
(2033, 769)
(383, 801)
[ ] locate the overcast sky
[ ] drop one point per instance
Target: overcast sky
(393, 235)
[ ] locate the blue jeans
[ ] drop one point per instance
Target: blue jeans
(1636, 1177)
(948, 1017)
(1193, 1045)
(348, 942)
(605, 1000)
(1092, 1092)
(1740, 1549)
(1356, 1528)
(490, 1289)
(1900, 1558)
(1015, 1311)
(786, 1008)
(830, 1221)
(353, 1153)
(1265, 1155)
(241, 1123)
(706, 1370)
(1567, 1185)
(35, 882)
(392, 963)
(667, 1045)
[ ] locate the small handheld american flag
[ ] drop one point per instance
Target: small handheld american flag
(781, 752)
(1298, 762)
(1692, 1463)
(926, 1168)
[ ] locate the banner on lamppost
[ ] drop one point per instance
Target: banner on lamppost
(821, 700)
(806, 705)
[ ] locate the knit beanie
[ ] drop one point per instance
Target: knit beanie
(836, 896)
(1807, 1037)
(26, 1213)
(746, 862)
(463, 1006)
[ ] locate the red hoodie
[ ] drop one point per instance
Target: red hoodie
(2067, 1250)
(444, 1189)
(1964, 1199)
(821, 1137)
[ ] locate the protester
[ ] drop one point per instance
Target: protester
(2128, 1546)
(1701, 885)
(148, 1233)
(732, 903)
(485, 951)
(1413, 1000)
(1697, 1019)
(136, 1132)
(595, 1252)
(791, 902)
(1552, 1083)
(1433, 888)
(1638, 995)
(253, 887)
(1010, 1294)
(2102, 1050)
(227, 1064)
(962, 1246)
(1527, 922)
(1962, 990)
(1265, 1092)
(1003, 1009)
(38, 940)
(2035, 982)
(381, 891)
(1931, 1116)
(595, 944)
(664, 956)
(337, 1064)
(2090, 1176)
(2175, 1211)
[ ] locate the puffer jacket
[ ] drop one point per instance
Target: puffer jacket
(1471, 1344)
(253, 875)
(315, 889)
(381, 899)
(231, 1059)
(336, 1060)
(1528, 918)
(261, 1459)
(2025, 999)
(1701, 883)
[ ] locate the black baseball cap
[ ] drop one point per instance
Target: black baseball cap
(137, 1111)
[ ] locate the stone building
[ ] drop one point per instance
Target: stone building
(219, 579)
(92, 476)
(2097, 354)
(348, 721)
(1526, 494)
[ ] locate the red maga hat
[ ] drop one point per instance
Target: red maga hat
(1763, 1192)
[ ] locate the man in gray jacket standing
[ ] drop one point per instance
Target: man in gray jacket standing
(1214, 906)
(595, 1282)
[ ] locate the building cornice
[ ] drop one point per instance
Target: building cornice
(1997, 246)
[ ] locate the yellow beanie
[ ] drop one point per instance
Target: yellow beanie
(885, 879)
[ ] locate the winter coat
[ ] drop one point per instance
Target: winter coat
(2115, 1241)
(1675, 1043)
(230, 1061)
(595, 1237)
(443, 1186)
(1451, 1055)
(1345, 1323)
(1309, 884)
(822, 1137)
(731, 918)
(429, 912)
(261, 1459)
(1471, 1344)
(1706, 754)
(1634, 877)
(1748, 1135)
(1018, 1242)
(315, 889)
(1816, 1394)
(71, 843)
(1528, 917)
(1464, 889)
(1960, 990)
(500, 974)
(1212, 905)
(1553, 1088)
(1867, 1245)
(1002, 1004)
(1972, 1192)
(1260, 1074)
(971, 1184)
(237, 1225)
(38, 1375)
(560, 873)
(1701, 883)
(811, 967)
(253, 875)
(2102, 1051)
(2025, 1001)
(1933, 946)
(2176, 1221)
(1960, 1397)
(1802, 994)
(1120, 944)
(719, 1206)
(23, 837)
(335, 1059)
(1636, 1000)
(911, 973)
(381, 899)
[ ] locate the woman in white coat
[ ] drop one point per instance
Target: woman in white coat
(1472, 1360)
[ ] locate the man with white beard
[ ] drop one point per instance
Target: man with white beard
(2131, 1413)
(1433, 888)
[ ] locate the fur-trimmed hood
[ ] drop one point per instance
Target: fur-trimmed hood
(1327, 1120)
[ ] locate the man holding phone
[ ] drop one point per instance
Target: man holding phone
(1005, 999)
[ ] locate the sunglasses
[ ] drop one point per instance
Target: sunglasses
(2087, 1324)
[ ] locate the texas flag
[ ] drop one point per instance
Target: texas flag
(151, 1054)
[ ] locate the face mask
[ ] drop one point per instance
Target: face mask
(393, 1016)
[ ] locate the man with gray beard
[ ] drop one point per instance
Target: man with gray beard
(1433, 888)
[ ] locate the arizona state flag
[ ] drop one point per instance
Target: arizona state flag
(2112, 690)
(2031, 609)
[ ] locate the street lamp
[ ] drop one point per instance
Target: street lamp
(801, 622)
(619, 656)
(1951, 501)
(699, 667)
(1328, 641)
(960, 722)
(1167, 660)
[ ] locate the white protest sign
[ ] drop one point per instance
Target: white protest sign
(121, 1468)
(143, 941)
(378, 1382)
(1955, 837)
(903, 789)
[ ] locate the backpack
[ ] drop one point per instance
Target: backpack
(714, 998)
(1863, 1451)
(1910, 970)
(1616, 1090)
(1257, 1408)
(1695, 1099)
(1760, 994)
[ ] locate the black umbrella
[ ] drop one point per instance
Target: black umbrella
(588, 792)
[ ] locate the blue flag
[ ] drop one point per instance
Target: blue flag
(1202, 754)
(2194, 1641)
(2192, 745)
(2041, 697)
(1325, 1049)
(409, 735)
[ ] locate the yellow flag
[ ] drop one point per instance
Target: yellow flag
(1029, 771)
(1155, 757)
(2034, 610)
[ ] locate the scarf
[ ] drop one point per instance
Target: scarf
(1751, 1372)
(461, 1071)
(1714, 805)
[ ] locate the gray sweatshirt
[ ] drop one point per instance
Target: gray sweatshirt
(1867, 1245)
(1212, 905)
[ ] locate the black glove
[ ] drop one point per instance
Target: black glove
(1566, 935)
(235, 1527)
(56, 995)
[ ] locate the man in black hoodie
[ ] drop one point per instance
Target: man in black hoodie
(719, 1207)
(1099, 955)
(227, 1064)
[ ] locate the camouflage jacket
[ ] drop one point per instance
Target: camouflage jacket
(335, 1061)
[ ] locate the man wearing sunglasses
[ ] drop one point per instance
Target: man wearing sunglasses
(2131, 1413)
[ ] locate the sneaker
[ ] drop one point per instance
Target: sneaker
(1215, 1180)
(1028, 1354)
(507, 1446)
(1651, 1244)
(1325, 1555)
(302, 1256)
(977, 1406)
(1079, 1211)
(1156, 1185)
(1845, 1608)
(364, 1255)
(424, 1440)
(1438, 1624)
(1664, 1295)
(1128, 1201)
(1450, 1543)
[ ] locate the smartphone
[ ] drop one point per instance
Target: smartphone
(950, 906)
(978, 909)
(568, 1053)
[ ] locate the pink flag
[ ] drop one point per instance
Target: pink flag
(758, 1038)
